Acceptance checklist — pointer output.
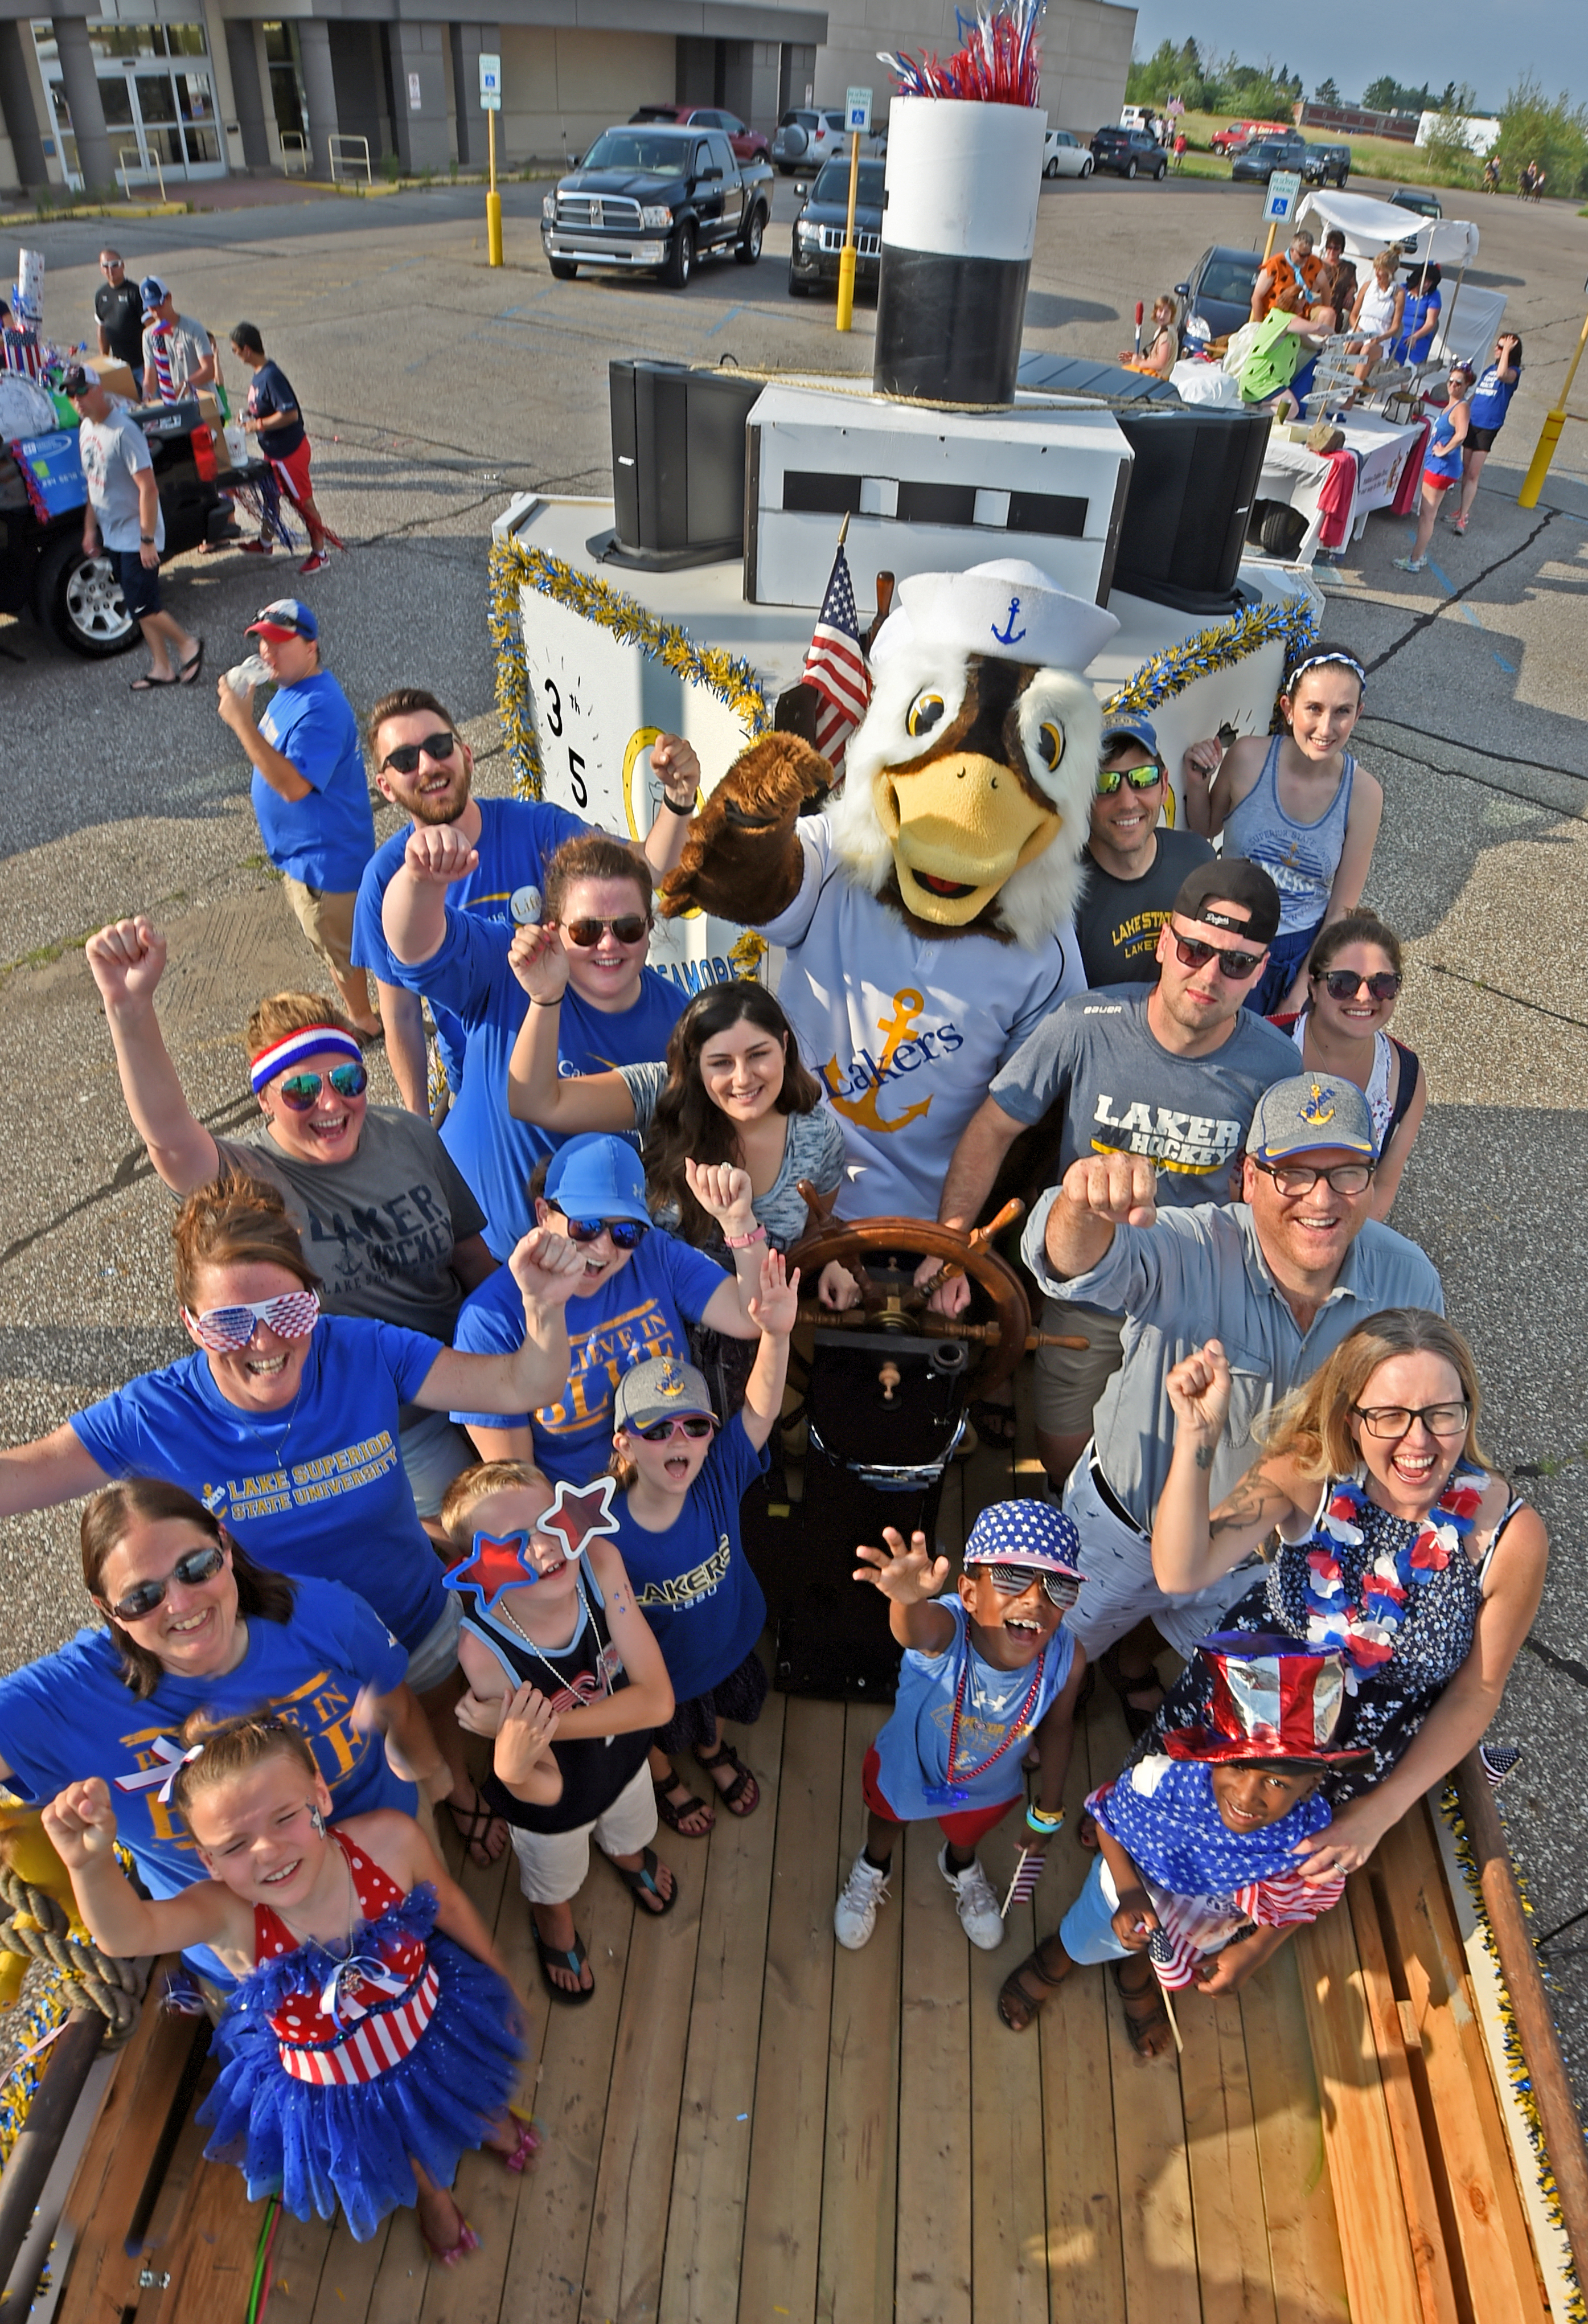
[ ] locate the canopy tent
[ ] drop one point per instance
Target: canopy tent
(1368, 226)
(1468, 324)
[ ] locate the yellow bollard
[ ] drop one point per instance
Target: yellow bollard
(846, 256)
(1549, 434)
(493, 202)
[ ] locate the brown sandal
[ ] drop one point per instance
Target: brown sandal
(1013, 1995)
(1142, 2022)
(675, 1813)
(732, 1794)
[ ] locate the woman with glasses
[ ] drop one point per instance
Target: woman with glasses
(394, 1227)
(1353, 975)
(191, 1623)
(284, 1423)
(1397, 1546)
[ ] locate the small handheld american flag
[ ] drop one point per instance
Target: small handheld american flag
(1028, 1871)
(1498, 1760)
(1161, 1951)
(836, 664)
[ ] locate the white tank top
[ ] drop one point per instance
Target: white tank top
(1377, 307)
(1377, 1091)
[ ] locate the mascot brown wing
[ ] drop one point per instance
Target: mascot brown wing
(742, 860)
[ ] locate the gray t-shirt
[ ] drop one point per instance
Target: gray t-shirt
(379, 1229)
(813, 1149)
(113, 453)
(1123, 1092)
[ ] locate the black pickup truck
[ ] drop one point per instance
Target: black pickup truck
(78, 598)
(655, 199)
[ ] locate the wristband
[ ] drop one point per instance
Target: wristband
(1041, 1820)
(556, 1003)
(673, 807)
(743, 1243)
(146, 540)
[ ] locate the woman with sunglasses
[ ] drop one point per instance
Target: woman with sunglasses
(193, 1624)
(1398, 1546)
(1353, 975)
(392, 1222)
(682, 1478)
(285, 1423)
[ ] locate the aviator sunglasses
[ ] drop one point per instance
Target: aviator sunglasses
(662, 1432)
(194, 1566)
(404, 760)
(291, 1316)
(300, 1091)
(627, 1235)
(1345, 984)
(1139, 779)
(628, 928)
(1195, 954)
(1014, 1581)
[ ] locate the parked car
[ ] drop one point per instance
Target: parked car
(818, 229)
(807, 134)
(1219, 289)
(1416, 197)
(1063, 156)
(78, 598)
(1327, 165)
(655, 198)
(1261, 159)
(748, 145)
(1129, 152)
(1242, 132)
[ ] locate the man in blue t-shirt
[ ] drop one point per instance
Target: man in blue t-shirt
(271, 415)
(308, 790)
(423, 764)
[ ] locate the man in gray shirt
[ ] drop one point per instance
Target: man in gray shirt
(1280, 1277)
(123, 511)
(1171, 1073)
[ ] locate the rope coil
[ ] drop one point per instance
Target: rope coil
(36, 1926)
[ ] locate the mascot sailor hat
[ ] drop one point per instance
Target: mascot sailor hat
(1008, 608)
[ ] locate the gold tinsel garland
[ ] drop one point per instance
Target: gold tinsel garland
(1292, 622)
(42, 2015)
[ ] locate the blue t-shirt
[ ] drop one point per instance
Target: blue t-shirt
(71, 1715)
(1490, 401)
(471, 978)
(518, 838)
(325, 839)
(269, 392)
(912, 1750)
(322, 1493)
(693, 1583)
(1413, 316)
(641, 1313)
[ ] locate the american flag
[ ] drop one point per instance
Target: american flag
(836, 666)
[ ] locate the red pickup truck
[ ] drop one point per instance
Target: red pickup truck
(1242, 132)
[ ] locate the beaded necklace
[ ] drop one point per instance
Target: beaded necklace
(952, 1794)
(1365, 1633)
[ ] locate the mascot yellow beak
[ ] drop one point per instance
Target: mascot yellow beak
(959, 828)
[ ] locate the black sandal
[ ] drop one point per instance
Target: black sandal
(472, 1825)
(575, 1960)
(994, 1424)
(645, 1886)
(732, 1793)
(1142, 2022)
(673, 1811)
(1011, 1993)
(1139, 1716)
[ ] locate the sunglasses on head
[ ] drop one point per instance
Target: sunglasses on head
(1345, 984)
(1195, 954)
(291, 1316)
(627, 1235)
(1014, 1581)
(404, 760)
(628, 928)
(300, 1091)
(1139, 779)
(662, 1432)
(195, 1565)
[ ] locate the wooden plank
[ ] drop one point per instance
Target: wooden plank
(933, 2268)
(1009, 2203)
(212, 2262)
(783, 2210)
(401, 2272)
(1380, 2280)
(1298, 2202)
(347, 2279)
(705, 2222)
(855, 2267)
(1502, 2280)
(298, 2260)
(1234, 2267)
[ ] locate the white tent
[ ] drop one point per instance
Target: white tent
(1468, 324)
(1369, 225)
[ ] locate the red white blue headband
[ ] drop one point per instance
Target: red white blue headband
(296, 1046)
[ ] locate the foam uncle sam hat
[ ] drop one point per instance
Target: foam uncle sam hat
(1273, 1698)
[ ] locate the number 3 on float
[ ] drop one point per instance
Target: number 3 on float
(568, 737)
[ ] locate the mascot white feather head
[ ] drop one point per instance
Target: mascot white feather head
(968, 785)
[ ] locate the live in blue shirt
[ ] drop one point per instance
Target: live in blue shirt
(693, 1583)
(325, 839)
(643, 1311)
(470, 977)
(319, 1490)
(71, 1715)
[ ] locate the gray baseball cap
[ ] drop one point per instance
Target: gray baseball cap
(659, 1389)
(1307, 1115)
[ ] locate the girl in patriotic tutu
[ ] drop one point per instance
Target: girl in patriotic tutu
(1386, 1538)
(376, 2040)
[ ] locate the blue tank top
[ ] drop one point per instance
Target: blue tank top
(1443, 457)
(1300, 858)
(1490, 399)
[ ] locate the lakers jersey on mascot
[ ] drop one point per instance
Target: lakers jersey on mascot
(925, 911)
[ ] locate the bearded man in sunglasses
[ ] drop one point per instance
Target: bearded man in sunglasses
(1135, 864)
(1281, 1276)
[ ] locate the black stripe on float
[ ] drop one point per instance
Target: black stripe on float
(948, 329)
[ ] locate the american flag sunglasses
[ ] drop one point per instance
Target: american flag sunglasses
(1014, 1581)
(291, 1316)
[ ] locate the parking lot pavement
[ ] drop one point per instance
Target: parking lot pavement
(435, 389)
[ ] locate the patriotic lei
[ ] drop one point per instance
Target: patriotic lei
(1365, 1633)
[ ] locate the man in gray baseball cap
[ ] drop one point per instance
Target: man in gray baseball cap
(1281, 1276)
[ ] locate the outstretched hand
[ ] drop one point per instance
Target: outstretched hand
(538, 959)
(126, 961)
(548, 1267)
(81, 1825)
(1199, 1391)
(905, 1577)
(774, 1306)
(440, 854)
(1122, 1188)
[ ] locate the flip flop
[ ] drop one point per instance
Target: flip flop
(645, 1884)
(148, 685)
(575, 1960)
(190, 669)
(994, 1424)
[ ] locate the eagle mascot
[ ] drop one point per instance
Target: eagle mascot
(926, 910)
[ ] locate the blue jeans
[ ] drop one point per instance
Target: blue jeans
(1286, 954)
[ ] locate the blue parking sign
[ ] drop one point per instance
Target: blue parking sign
(857, 111)
(1284, 193)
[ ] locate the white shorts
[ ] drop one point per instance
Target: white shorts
(1119, 1590)
(553, 1866)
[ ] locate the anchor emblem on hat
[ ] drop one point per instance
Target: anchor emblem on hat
(1316, 1110)
(1009, 635)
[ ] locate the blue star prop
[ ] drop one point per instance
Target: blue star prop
(493, 1567)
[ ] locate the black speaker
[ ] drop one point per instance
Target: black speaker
(1193, 482)
(678, 464)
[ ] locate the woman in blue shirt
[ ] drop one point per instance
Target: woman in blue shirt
(1419, 318)
(1488, 405)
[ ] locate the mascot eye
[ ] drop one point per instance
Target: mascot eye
(1049, 743)
(925, 712)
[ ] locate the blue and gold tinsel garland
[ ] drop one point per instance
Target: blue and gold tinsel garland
(1291, 622)
(29, 2026)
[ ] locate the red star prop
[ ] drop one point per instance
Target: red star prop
(579, 1513)
(493, 1567)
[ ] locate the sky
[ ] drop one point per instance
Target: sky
(1488, 44)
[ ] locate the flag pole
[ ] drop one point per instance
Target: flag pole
(844, 530)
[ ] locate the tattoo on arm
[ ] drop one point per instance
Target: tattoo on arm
(1255, 1499)
(1205, 1455)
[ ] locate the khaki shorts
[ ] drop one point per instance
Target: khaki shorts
(326, 918)
(1070, 1380)
(553, 1866)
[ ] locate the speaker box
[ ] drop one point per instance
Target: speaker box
(678, 464)
(1193, 481)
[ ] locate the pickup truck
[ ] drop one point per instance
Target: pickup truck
(653, 197)
(78, 598)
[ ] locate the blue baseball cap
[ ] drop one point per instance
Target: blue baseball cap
(597, 1176)
(1129, 725)
(153, 292)
(285, 617)
(1030, 1534)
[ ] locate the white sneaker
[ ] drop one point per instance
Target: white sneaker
(977, 1906)
(855, 1915)
(1408, 564)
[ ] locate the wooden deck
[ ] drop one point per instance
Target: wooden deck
(750, 2123)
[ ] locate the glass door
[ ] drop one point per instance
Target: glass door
(158, 97)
